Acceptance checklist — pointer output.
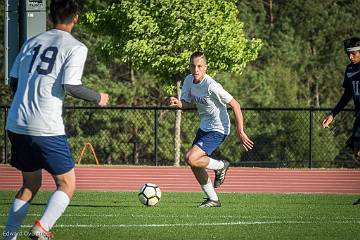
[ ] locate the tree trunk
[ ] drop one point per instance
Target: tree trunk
(136, 153)
(308, 84)
(269, 7)
(177, 143)
(271, 17)
(132, 74)
(135, 146)
(317, 94)
(109, 159)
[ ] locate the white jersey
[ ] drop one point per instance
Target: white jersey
(211, 99)
(43, 65)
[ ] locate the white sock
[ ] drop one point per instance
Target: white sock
(215, 164)
(17, 214)
(210, 191)
(54, 209)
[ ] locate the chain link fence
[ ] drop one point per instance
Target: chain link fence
(284, 137)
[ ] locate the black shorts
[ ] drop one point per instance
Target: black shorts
(354, 140)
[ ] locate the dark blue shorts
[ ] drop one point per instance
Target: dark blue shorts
(208, 141)
(31, 153)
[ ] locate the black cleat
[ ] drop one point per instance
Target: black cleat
(210, 203)
(357, 202)
(220, 174)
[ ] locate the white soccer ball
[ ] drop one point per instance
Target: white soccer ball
(149, 194)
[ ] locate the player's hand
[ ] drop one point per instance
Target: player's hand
(174, 102)
(328, 119)
(104, 99)
(357, 155)
(246, 142)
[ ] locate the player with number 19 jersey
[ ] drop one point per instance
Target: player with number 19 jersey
(45, 63)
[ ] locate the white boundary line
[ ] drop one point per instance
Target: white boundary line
(189, 224)
(194, 224)
(298, 218)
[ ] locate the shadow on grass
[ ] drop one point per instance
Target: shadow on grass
(100, 206)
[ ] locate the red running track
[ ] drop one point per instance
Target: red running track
(180, 179)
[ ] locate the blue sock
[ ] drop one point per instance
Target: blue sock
(17, 214)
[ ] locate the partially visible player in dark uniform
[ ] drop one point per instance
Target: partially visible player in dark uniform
(351, 87)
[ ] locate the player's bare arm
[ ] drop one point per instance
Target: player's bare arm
(104, 99)
(327, 120)
(345, 98)
(239, 121)
(174, 102)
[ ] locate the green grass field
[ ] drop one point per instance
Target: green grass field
(109, 215)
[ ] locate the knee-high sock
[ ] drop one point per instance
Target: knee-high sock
(215, 164)
(209, 190)
(17, 214)
(55, 207)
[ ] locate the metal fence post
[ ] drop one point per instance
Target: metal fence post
(156, 136)
(5, 136)
(311, 133)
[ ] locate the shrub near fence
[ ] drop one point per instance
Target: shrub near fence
(284, 137)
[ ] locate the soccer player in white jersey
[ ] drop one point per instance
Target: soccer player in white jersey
(47, 66)
(211, 101)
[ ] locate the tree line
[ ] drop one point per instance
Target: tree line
(288, 53)
(300, 64)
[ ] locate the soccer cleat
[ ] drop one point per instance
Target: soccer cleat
(210, 203)
(220, 174)
(40, 233)
(357, 202)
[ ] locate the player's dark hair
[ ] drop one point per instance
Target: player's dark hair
(198, 54)
(351, 42)
(63, 11)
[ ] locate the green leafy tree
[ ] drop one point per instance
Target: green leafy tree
(320, 28)
(159, 36)
(301, 65)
